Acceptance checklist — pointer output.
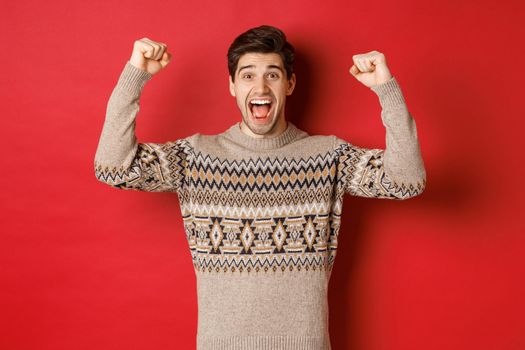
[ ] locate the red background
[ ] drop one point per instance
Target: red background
(86, 266)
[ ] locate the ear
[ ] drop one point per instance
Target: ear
(232, 87)
(291, 85)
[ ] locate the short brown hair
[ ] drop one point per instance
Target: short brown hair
(262, 39)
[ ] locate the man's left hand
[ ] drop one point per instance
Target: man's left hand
(370, 68)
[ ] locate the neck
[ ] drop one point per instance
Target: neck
(267, 142)
(279, 128)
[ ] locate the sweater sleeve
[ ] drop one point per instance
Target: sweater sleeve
(396, 172)
(120, 160)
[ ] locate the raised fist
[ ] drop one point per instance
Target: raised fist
(150, 56)
(370, 68)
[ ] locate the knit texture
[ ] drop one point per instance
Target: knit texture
(261, 215)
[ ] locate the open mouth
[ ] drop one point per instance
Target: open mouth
(260, 108)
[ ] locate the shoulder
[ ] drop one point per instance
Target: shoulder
(338, 142)
(317, 141)
(331, 142)
(204, 143)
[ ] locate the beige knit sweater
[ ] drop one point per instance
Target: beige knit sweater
(261, 216)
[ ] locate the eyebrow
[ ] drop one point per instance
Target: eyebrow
(269, 66)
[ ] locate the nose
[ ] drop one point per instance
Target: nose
(260, 86)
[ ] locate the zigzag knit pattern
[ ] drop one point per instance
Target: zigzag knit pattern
(259, 214)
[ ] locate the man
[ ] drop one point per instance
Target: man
(261, 201)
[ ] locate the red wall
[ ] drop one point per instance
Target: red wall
(86, 266)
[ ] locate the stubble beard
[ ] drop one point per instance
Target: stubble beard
(259, 129)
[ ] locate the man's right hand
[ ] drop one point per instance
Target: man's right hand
(150, 56)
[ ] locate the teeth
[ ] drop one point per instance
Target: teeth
(261, 102)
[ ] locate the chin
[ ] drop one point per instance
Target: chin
(260, 129)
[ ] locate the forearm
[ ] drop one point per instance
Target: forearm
(118, 144)
(403, 161)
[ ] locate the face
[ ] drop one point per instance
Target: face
(260, 88)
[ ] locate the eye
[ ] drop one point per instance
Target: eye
(247, 76)
(273, 75)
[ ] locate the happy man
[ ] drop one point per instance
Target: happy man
(262, 201)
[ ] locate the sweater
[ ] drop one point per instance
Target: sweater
(261, 215)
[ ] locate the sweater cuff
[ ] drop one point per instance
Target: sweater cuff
(390, 94)
(133, 79)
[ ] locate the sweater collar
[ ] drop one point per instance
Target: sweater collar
(236, 134)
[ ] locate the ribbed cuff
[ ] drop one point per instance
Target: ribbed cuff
(133, 79)
(390, 94)
(264, 342)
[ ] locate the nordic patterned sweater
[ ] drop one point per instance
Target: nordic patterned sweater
(261, 215)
